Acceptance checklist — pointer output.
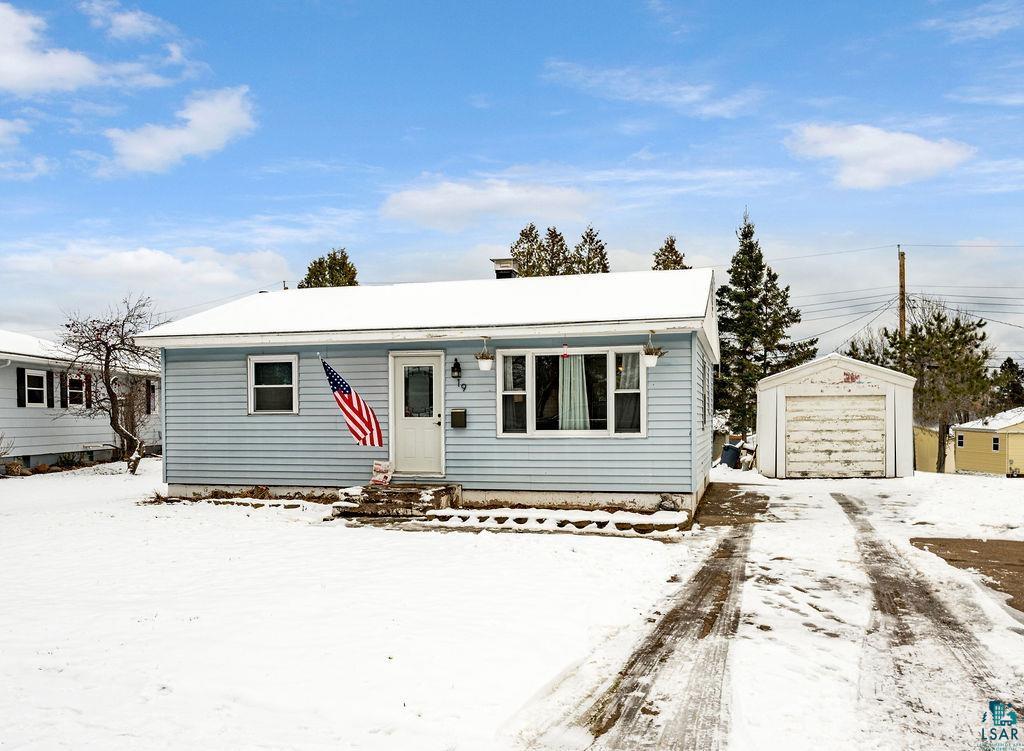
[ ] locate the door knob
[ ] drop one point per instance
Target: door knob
(438, 422)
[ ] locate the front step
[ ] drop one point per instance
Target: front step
(568, 520)
(398, 501)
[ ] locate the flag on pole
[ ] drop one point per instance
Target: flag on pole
(359, 416)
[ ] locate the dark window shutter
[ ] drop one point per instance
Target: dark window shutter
(49, 388)
(63, 390)
(149, 397)
(88, 390)
(21, 387)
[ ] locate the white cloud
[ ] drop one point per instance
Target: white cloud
(87, 275)
(1010, 95)
(26, 169)
(657, 86)
(210, 121)
(451, 205)
(869, 157)
(11, 131)
(27, 66)
(123, 24)
(981, 22)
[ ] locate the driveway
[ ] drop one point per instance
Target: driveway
(813, 623)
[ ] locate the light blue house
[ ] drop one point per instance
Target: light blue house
(566, 412)
(44, 407)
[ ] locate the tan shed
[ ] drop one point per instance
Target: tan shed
(836, 417)
(993, 445)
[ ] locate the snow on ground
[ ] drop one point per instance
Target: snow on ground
(807, 668)
(797, 649)
(202, 626)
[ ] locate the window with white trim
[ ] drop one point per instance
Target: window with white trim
(959, 440)
(35, 388)
(582, 391)
(995, 443)
(76, 390)
(273, 384)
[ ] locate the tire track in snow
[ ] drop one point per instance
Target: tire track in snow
(668, 694)
(921, 691)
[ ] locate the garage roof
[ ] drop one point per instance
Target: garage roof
(849, 363)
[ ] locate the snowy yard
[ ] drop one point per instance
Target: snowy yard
(203, 626)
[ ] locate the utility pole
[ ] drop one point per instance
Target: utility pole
(903, 291)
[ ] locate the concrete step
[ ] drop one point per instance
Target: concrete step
(397, 501)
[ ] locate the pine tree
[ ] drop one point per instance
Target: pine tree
(590, 256)
(754, 317)
(946, 351)
(554, 254)
(1008, 391)
(527, 252)
(667, 257)
(332, 270)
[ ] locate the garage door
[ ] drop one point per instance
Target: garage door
(835, 436)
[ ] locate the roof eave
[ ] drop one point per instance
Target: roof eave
(384, 336)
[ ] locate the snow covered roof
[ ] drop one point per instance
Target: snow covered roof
(1003, 420)
(849, 363)
(27, 348)
(13, 344)
(625, 302)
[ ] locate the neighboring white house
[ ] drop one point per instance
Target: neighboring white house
(42, 404)
(836, 417)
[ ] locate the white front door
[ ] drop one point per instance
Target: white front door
(417, 382)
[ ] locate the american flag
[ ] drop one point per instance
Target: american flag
(362, 422)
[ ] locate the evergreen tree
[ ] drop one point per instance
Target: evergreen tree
(754, 317)
(554, 254)
(332, 270)
(1008, 391)
(667, 257)
(528, 251)
(590, 256)
(946, 351)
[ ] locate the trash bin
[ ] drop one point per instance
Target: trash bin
(731, 456)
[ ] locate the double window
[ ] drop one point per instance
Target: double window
(572, 392)
(273, 384)
(35, 388)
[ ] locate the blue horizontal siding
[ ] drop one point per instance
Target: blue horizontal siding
(210, 439)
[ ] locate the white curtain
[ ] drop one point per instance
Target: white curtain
(573, 412)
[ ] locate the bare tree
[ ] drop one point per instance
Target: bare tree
(6, 445)
(105, 346)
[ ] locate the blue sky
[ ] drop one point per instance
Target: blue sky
(197, 151)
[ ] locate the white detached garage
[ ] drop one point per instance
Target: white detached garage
(836, 417)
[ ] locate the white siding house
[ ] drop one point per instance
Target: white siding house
(42, 404)
(566, 414)
(836, 417)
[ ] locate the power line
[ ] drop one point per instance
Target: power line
(862, 316)
(865, 326)
(831, 253)
(968, 247)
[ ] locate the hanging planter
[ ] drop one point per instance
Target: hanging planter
(485, 358)
(651, 354)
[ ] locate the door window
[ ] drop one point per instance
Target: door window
(419, 390)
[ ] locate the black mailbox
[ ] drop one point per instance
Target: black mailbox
(458, 418)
